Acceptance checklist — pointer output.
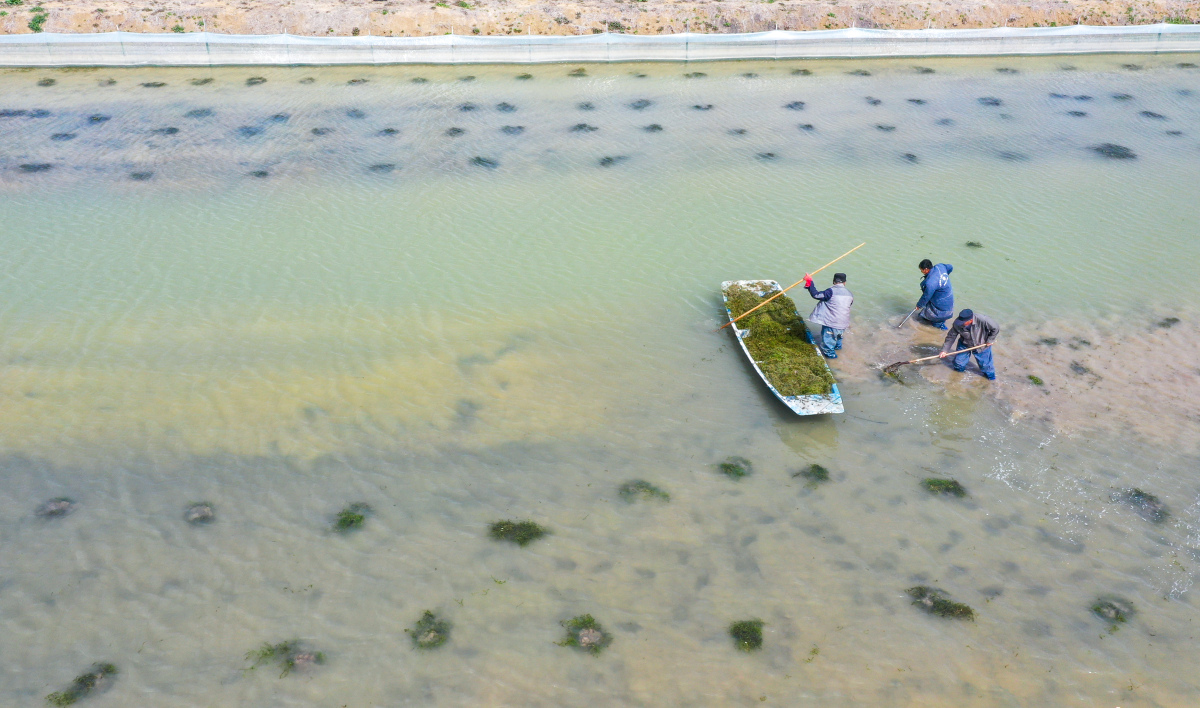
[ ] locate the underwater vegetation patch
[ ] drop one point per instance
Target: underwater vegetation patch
(521, 533)
(577, 72)
(935, 602)
(249, 131)
(747, 634)
(1147, 506)
(429, 632)
(885, 128)
(260, 174)
(289, 656)
(54, 508)
(1080, 369)
(31, 167)
(858, 72)
(1152, 115)
(382, 167)
(767, 156)
(945, 121)
(321, 131)
(923, 70)
(387, 132)
(419, 80)
(1083, 98)
(454, 132)
(586, 106)
(806, 127)
(695, 75)
(1114, 151)
(585, 634)
(909, 157)
(466, 78)
(814, 473)
(140, 176)
(98, 118)
(98, 678)
(703, 107)
(778, 341)
(205, 82)
(513, 129)
(974, 244)
(794, 106)
(505, 107)
(1077, 114)
(1113, 609)
(1167, 322)
(198, 113)
(468, 107)
(612, 160)
(653, 128)
(641, 104)
(153, 84)
(352, 517)
(737, 131)
(917, 101)
(279, 118)
(937, 485)
(1035, 380)
(872, 101)
(989, 101)
(357, 82)
(485, 162)
(46, 82)
(60, 137)
(583, 128)
(199, 513)
(524, 77)
(255, 81)
(640, 489)
(736, 467)
(165, 131)
(355, 113)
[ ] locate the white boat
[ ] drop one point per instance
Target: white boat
(817, 404)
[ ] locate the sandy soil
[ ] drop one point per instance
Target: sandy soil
(397, 18)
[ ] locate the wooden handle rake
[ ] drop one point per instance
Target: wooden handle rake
(809, 275)
(891, 368)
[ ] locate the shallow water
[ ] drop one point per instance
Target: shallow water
(283, 322)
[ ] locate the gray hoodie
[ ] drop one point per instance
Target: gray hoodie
(982, 330)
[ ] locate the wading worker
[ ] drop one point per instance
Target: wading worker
(937, 295)
(832, 312)
(970, 330)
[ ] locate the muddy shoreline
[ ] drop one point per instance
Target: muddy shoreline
(400, 18)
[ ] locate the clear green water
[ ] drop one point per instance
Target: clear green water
(457, 344)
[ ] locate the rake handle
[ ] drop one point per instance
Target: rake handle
(956, 351)
(906, 317)
(809, 275)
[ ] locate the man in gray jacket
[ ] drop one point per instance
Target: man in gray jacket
(970, 330)
(832, 313)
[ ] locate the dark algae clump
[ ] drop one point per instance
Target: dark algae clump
(814, 473)
(747, 634)
(943, 486)
(54, 508)
(200, 513)
(289, 656)
(586, 634)
(352, 517)
(97, 678)
(935, 602)
(1115, 610)
(1114, 152)
(429, 632)
(778, 343)
(1147, 506)
(521, 533)
(974, 244)
(1035, 380)
(639, 489)
(736, 467)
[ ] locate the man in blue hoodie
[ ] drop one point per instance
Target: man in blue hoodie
(937, 295)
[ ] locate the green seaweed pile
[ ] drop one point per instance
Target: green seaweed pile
(289, 655)
(352, 517)
(944, 486)
(585, 634)
(521, 533)
(429, 632)
(640, 489)
(935, 602)
(96, 679)
(778, 343)
(814, 473)
(1113, 609)
(735, 467)
(747, 634)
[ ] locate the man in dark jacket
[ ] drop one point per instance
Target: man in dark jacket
(970, 330)
(832, 313)
(937, 295)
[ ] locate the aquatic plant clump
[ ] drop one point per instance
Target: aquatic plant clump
(640, 489)
(521, 533)
(778, 343)
(98, 678)
(200, 513)
(289, 656)
(54, 508)
(935, 485)
(736, 467)
(935, 602)
(429, 632)
(352, 517)
(1147, 506)
(747, 634)
(814, 473)
(1113, 609)
(585, 634)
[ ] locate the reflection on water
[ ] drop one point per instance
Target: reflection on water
(284, 297)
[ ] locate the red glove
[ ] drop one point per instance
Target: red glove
(807, 280)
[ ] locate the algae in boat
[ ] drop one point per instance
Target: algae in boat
(521, 533)
(935, 602)
(778, 343)
(736, 467)
(747, 634)
(97, 678)
(640, 489)
(585, 634)
(429, 632)
(944, 486)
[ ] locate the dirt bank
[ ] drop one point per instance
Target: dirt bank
(397, 18)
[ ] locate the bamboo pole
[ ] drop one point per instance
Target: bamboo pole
(892, 367)
(808, 275)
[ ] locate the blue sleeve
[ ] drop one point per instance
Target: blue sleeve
(927, 290)
(820, 295)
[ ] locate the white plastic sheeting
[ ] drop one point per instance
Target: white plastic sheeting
(207, 49)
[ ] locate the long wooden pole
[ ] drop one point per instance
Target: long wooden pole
(809, 275)
(892, 367)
